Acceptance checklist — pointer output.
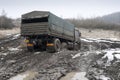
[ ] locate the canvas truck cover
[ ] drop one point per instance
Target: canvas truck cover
(45, 23)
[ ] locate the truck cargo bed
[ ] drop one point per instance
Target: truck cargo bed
(46, 23)
(34, 28)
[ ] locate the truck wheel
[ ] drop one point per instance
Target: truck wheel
(57, 45)
(55, 48)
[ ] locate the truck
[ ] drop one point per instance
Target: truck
(46, 31)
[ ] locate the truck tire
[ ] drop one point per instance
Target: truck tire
(57, 45)
(55, 48)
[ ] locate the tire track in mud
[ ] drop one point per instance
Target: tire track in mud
(16, 62)
(48, 65)
(20, 63)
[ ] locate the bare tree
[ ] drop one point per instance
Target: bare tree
(94, 24)
(5, 22)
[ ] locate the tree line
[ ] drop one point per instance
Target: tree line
(6, 22)
(94, 23)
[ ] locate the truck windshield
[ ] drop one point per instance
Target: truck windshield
(35, 20)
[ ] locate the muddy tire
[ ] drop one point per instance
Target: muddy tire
(55, 48)
(57, 45)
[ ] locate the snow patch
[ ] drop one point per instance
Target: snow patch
(19, 77)
(77, 55)
(14, 49)
(110, 40)
(86, 40)
(117, 56)
(98, 52)
(4, 54)
(37, 52)
(110, 54)
(79, 76)
(2, 48)
(8, 34)
(102, 77)
(16, 36)
(25, 76)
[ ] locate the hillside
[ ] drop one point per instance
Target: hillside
(107, 22)
(111, 18)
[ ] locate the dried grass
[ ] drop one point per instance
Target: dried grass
(99, 33)
(4, 33)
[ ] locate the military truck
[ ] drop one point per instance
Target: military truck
(44, 30)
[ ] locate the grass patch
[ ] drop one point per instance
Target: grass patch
(5, 33)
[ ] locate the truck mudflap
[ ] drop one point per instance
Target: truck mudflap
(30, 44)
(50, 44)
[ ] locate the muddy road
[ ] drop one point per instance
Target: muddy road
(16, 60)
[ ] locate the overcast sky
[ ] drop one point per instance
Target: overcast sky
(62, 8)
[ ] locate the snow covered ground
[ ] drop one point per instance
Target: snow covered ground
(110, 40)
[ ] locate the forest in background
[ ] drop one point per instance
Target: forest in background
(94, 23)
(104, 23)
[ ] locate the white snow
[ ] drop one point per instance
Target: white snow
(79, 76)
(29, 75)
(98, 52)
(81, 54)
(86, 40)
(102, 77)
(117, 56)
(1, 58)
(110, 40)
(15, 36)
(37, 52)
(2, 48)
(19, 77)
(77, 55)
(110, 54)
(13, 49)
(3, 53)
(115, 39)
